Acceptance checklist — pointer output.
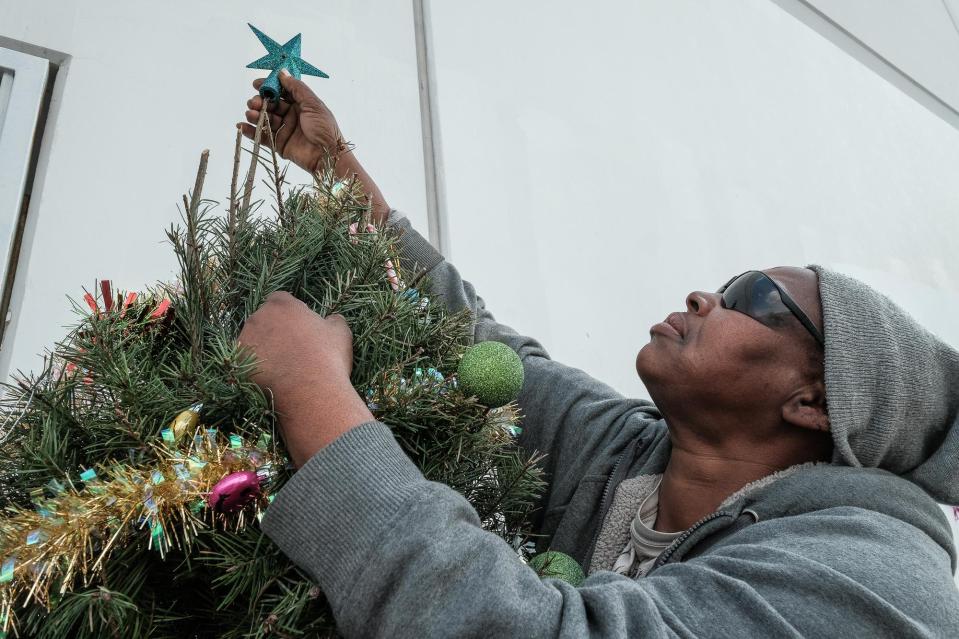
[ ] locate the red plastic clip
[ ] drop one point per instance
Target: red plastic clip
(126, 303)
(161, 309)
(107, 295)
(92, 303)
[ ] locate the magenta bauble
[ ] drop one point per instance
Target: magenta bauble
(234, 491)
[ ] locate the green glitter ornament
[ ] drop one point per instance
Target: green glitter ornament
(557, 565)
(492, 371)
(281, 56)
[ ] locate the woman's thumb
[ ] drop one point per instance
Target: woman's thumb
(296, 88)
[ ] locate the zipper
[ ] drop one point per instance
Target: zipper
(604, 502)
(679, 541)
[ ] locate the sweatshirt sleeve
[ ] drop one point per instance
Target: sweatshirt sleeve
(399, 556)
(567, 414)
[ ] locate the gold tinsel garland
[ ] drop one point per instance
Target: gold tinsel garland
(74, 527)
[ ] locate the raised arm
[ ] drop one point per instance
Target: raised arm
(567, 414)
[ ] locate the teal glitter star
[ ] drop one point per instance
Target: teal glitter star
(281, 57)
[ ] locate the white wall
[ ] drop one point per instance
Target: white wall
(602, 160)
(145, 89)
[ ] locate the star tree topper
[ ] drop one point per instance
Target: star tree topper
(279, 57)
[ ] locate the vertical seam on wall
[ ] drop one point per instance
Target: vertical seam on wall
(432, 158)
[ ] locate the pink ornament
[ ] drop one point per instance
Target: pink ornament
(234, 491)
(391, 275)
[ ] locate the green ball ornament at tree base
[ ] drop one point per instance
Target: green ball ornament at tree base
(493, 372)
(557, 565)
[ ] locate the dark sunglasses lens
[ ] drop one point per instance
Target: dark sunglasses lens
(755, 295)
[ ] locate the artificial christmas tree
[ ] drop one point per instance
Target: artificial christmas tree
(134, 466)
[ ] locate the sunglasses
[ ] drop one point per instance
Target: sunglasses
(757, 295)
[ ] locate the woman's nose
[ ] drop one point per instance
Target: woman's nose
(700, 302)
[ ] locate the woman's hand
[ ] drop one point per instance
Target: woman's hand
(306, 133)
(305, 360)
(304, 127)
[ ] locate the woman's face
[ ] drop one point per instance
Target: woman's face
(713, 358)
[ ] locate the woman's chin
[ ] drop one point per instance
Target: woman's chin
(643, 361)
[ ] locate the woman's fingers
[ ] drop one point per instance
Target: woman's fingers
(254, 116)
(283, 130)
(256, 103)
(249, 132)
(246, 129)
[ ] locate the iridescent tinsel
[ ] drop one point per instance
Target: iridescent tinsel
(77, 522)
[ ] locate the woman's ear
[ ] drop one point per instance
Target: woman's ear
(806, 407)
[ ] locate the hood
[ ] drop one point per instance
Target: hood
(892, 388)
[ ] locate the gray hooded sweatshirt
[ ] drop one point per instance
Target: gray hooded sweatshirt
(858, 547)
